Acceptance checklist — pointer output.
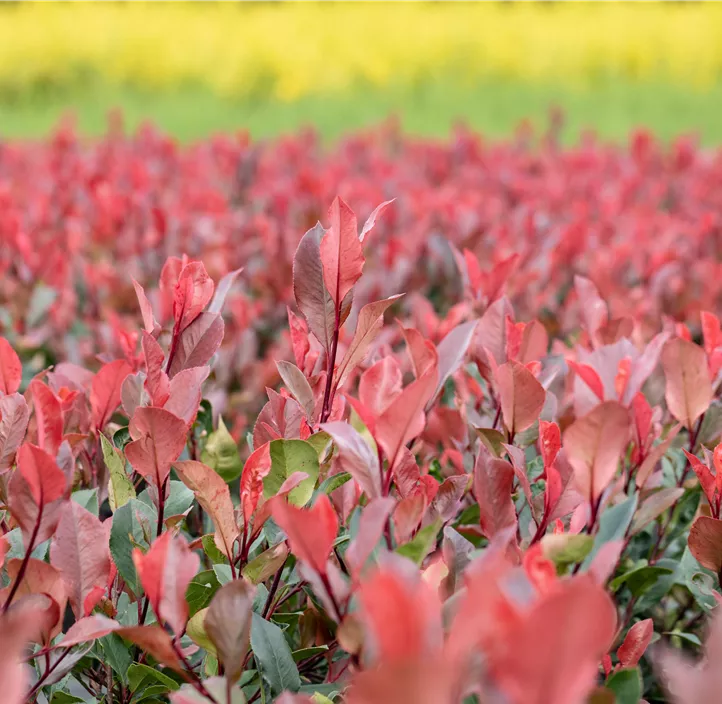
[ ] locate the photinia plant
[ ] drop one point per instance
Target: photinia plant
(308, 481)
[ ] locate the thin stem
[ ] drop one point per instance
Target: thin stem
(26, 558)
(196, 681)
(45, 675)
(273, 590)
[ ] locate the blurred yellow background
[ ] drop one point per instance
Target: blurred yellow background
(286, 52)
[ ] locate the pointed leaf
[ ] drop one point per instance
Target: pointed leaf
(198, 343)
(48, 416)
(221, 454)
(273, 656)
(356, 457)
(689, 388)
(121, 489)
(45, 479)
(297, 383)
(635, 643)
(13, 424)
(522, 396)
(224, 286)
(105, 391)
(493, 480)
(705, 543)
(341, 252)
(11, 370)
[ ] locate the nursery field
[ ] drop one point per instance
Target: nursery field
(396, 420)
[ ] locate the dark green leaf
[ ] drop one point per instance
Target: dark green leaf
(273, 656)
(125, 534)
(201, 590)
(626, 685)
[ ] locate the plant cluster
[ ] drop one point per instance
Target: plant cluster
(509, 496)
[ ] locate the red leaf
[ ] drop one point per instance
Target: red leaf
(452, 351)
(79, 550)
(404, 418)
(11, 370)
(224, 286)
(689, 388)
(522, 397)
(370, 322)
(654, 456)
(48, 417)
(185, 393)
(158, 439)
(402, 615)
(311, 532)
(299, 338)
(14, 423)
(297, 383)
(146, 310)
(192, 293)
(341, 252)
(214, 496)
(371, 220)
(42, 474)
(635, 643)
(165, 572)
(589, 376)
(380, 385)
(105, 391)
(157, 383)
(493, 480)
(89, 628)
(356, 457)
(198, 343)
(564, 670)
(550, 442)
(257, 466)
(422, 352)
(309, 288)
(371, 527)
(155, 641)
(593, 308)
(594, 443)
(705, 542)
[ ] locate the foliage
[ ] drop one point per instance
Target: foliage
(57, 48)
(510, 495)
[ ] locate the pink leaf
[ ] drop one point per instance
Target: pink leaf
(146, 310)
(192, 294)
(689, 389)
(297, 383)
(257, 466)
(311, 532)
(370, 322)
(371, 527)
(105, 391)
(589, 376)
(224, 286)
(522, 396)
(158, 439)
(309, 288)
(593, 308)
(493, 480)
(356, 457)
(11, 370)
(198, 343)
(422, 352)
(165, 572)
(371, 220)
(404, 418)
(185, 393)
(14, 423)
(214, 497)
(42, 474)
(341, 252)
(157, 383)
(654, 456)
(79, 550)
(452, 351)
(380, 385)
(594, 443)
(635, 643)
(48, 416)
(564, 670)
(704, 475)
(15, 632)
(89, 628)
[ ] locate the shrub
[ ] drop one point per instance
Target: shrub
(434, 507)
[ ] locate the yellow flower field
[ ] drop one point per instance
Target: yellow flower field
(287, 51)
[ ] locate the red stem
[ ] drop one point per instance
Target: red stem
(26, 558)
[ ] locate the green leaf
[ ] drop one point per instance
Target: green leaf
(211, 550)
(87, 498)
(204, 419)
(319, 441)
(639, 579)
(421, 544)
(117, 655)
(121, 438)
(138, 674)
(180, 499)
(260, 568)
(221, 454)
(201, 590)
(612, 526)
(126, 533)
(626, 685)
(273, 656)
(566, 549)
(288, 457)
(223, 573)
(689, 637)
(65, 698)
(330, 484)
(306, 653)
(120, 488)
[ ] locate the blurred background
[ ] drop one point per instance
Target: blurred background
(198, 68)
